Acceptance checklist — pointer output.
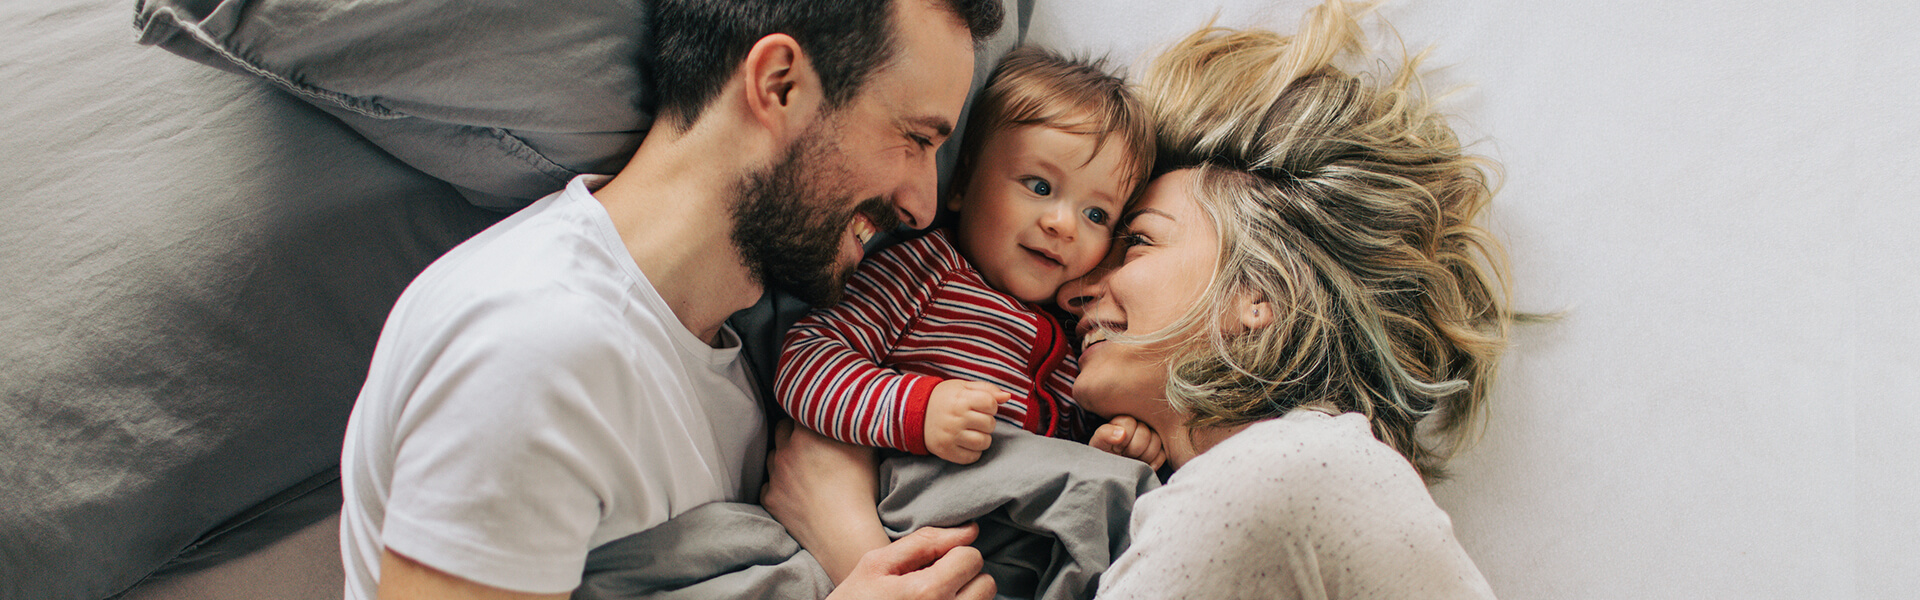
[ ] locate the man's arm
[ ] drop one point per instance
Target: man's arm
(402, 578)
(825, 491)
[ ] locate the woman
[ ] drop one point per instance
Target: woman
(1301, 290)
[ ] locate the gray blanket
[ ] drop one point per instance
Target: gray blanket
(1053, 514)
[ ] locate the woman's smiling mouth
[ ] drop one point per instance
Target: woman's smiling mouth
(1094, 332)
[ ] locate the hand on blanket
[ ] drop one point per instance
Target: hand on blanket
(959, 422)
(826, 493)
(932, 562)
(1127, 436)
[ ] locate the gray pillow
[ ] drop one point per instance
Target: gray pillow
(504, 100)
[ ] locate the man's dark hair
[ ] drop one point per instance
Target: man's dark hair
(697, 44)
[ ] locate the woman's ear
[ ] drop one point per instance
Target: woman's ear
(1256, 314)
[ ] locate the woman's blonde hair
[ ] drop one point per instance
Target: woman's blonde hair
(1346, 202)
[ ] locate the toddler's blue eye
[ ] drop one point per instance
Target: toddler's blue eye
(1097, 215)
(1040, 186)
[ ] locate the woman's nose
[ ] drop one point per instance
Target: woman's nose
(1075, 296)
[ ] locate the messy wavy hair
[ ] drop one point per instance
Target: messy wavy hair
(1344, 200)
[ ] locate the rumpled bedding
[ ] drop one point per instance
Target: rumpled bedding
(1052, 513)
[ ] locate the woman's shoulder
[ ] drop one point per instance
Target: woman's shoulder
(1314, 485)
(1307, 462)
(1303, 443)
(1306, 504)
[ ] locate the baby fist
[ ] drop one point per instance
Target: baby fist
(959, 423)
(1127, 436)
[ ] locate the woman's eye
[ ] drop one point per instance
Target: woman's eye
(1097, 215)
(1039, 186)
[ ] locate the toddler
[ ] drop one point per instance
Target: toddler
(938, 336)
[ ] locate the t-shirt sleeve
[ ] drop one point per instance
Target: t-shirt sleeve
(831, 377)
(1300, 516)
(502, 462)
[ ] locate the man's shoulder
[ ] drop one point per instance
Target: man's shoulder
(532, 263)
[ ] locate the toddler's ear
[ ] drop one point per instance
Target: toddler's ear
(953, 198)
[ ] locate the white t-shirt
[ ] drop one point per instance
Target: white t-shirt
(532, 397)
(1308, 505)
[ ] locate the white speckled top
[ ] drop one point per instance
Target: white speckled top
(1308, 505)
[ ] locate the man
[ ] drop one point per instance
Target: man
(565, 378)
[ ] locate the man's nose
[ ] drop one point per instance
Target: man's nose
(918, 196)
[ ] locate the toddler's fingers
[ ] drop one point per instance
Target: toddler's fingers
(1108, 438)
(963, 456)
(1142, 442)
(977, 421)
(983, 405)
(983, 402)
(973, 441)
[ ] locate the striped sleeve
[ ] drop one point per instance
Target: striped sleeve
(832, 376)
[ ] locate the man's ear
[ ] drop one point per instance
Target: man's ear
(782, 89)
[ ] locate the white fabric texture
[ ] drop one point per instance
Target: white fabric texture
(532, 397)
(1307, 506)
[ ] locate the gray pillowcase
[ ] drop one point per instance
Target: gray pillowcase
(506, 101)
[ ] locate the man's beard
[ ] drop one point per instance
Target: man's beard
(789, 220)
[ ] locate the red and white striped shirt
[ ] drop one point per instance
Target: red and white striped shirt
(914, 315)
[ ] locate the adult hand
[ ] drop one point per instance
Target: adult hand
(959, 423)
(933, 562)
(826, 494)
(1129, 437)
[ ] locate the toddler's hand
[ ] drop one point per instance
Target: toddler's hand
(1127, 436)
(959, 422)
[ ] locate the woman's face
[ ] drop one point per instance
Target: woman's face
(1150, 279)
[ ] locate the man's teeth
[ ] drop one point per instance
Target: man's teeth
(863, 230)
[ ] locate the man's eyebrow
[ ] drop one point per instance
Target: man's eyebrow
(939, 125)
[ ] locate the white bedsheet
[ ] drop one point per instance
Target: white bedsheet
(1720, 195)
(1723, 198)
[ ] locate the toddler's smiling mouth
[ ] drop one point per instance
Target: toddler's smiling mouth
(1045, 256)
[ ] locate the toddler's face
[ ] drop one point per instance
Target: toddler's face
(1037, 213)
